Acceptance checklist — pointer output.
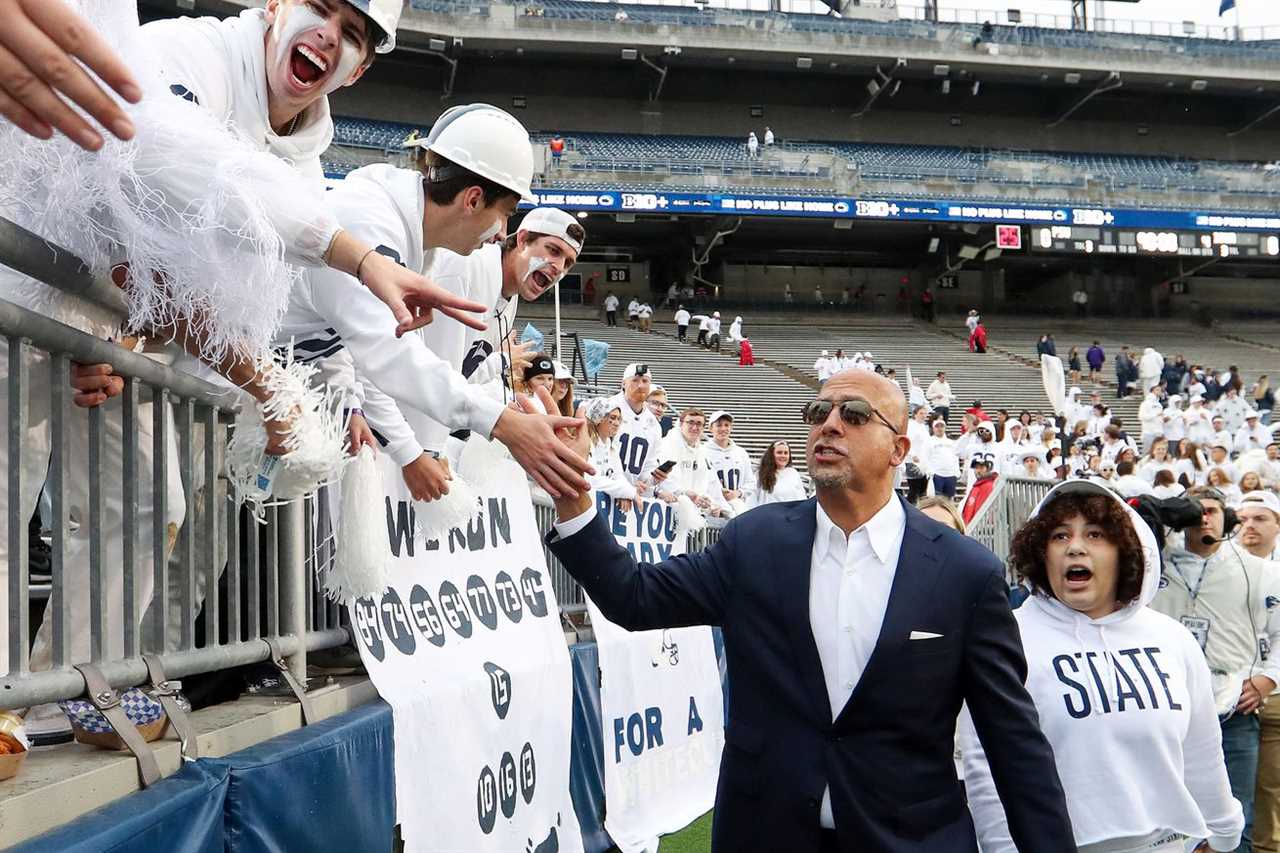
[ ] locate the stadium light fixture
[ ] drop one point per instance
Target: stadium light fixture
(941, 70)
(630, 54)
(873, 87)
(1199, 85)
(757, 111)
(955, 121)
(1189, 28)
(1072, 78)
(946, 87)
(519, 102)
(934, 243)
(1143, 130)
(991, 254)
(582, 214)
(435, 44)
(1014, 16)
(804, 63)
(969, 252)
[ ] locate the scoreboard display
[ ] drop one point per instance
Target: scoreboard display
(1133, 241)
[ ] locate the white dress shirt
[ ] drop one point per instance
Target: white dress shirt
(849, 582)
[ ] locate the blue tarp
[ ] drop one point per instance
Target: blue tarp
(182, 812)
(328, 786)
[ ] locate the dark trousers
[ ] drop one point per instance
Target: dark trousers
(611, 318)
(1240, 739)
(916, 488)
(682, 332)
(928, 312)
(702, 337)
(944, 486)
(943, 412)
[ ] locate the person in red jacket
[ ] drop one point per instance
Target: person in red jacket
(984, 466)
(745, 356)
(978, 339)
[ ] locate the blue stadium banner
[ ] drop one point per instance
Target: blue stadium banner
(1227, 6)
(906, 210)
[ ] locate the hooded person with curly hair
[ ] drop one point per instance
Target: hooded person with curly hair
(1123, 693)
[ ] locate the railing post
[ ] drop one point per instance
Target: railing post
(293, 583)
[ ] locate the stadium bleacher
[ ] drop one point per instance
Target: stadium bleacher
(1011, 36)
(668, 162)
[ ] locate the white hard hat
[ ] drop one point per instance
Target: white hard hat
(487, 141)
(553, 221)
(384, 13)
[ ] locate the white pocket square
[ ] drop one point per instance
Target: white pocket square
(923, 635)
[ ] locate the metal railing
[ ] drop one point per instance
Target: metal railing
(144, 537)
(1006, 509)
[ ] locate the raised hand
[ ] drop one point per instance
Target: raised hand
(40, 42)
(551, 449)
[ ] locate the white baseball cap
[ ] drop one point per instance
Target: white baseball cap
(1251, 415)
(1266, 499)
(1197, 398)
(552, 221)
(718, 414)
(635, 369)
(562, 372)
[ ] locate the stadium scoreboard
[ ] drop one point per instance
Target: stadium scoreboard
(1091, 240)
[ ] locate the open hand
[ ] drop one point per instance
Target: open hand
(552, 449)
(521, 354)
(39, 45)
(412, 298)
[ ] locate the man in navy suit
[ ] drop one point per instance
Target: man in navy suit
(854, 628)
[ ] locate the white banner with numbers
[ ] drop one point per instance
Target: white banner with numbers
(662, 709)
(466, 647)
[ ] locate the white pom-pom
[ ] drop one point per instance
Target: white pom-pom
(436, 518)
(314, 446)
(362, 566)
(485, 464)
(688, 518)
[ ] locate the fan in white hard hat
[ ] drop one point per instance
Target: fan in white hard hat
(477, 165)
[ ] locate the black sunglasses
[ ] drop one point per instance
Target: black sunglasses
(852, 412)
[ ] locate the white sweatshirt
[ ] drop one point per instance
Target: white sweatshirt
(638, 440)
(788, 487)
(1239, 597)
(1127, 705)
(608, 476)
(682, 317)
(383, 206)
(692, 473)
(732, 466)
(940, 457)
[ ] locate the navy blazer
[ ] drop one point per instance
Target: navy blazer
(888, 755)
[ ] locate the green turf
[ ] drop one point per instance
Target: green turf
(694, 838)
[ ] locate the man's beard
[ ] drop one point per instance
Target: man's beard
(832, 480)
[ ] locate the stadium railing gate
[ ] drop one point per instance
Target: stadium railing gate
(271, 592)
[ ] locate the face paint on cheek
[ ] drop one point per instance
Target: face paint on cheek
(489, 234)
(535, 263)
(348, 62)
(289, 26)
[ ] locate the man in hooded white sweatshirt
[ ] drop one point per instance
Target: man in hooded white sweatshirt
(1123, 692)
(1229, 602)
(1151, 417)
(1149, 368)
(692, 476)
(730, 463)
(238, 70)
(823, 367)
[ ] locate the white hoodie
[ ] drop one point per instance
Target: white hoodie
(1127, 705)
(383, 206)
(692, 473)
(732, 465)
